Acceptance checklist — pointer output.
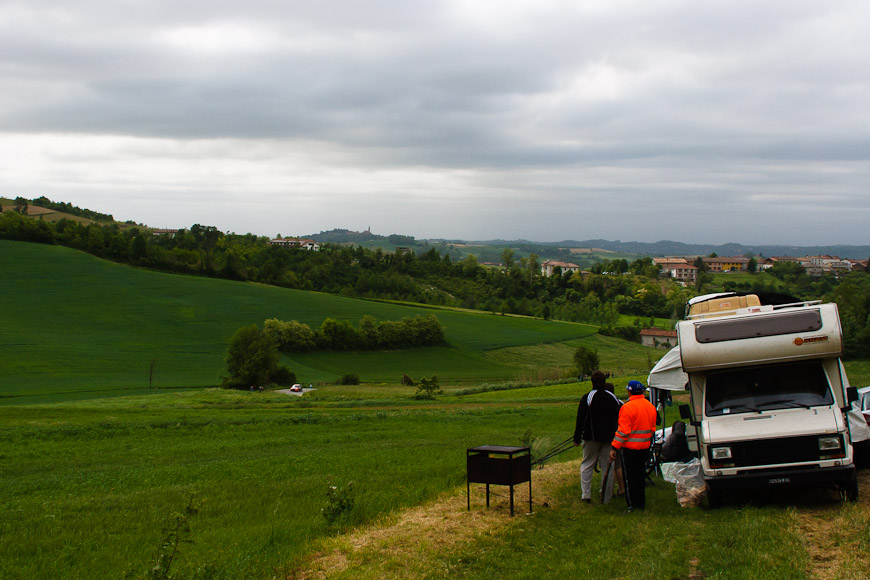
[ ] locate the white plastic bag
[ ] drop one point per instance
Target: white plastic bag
(668, 471)
(690, 483)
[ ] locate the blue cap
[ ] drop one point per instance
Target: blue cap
(635, 387)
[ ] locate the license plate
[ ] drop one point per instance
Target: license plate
(775, 480)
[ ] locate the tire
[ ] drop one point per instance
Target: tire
(714, 497)
(850, 490)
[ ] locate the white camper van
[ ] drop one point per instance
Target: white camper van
(769, 395)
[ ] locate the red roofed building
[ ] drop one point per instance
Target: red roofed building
(658, 338)
(684, 273)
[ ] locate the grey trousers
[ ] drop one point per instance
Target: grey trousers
(596, 452)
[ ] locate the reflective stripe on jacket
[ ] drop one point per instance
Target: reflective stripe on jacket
(597, 415)
(637, 423)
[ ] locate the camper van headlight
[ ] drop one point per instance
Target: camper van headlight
(829, 443)
(720, 453)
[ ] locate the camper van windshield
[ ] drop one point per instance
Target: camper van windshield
(756, 389)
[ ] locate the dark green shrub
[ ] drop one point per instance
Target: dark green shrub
(586, 360)
(340, 501)
(283, 376)
(251, 357)
(350, 379)
(631, 333)
(427, 388)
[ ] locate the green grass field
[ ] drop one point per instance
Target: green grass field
(93, 463)
(765, 278)
(76, 326)
(89, 487)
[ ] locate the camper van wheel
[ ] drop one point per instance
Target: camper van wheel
(714, 497)
(850, 490)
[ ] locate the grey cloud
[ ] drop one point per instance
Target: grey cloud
(646, 105)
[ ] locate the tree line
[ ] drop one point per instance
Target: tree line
(611, 289)
(427, 277)
(370, 334)
(20, 205)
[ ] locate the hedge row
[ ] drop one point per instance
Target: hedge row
(370, 334)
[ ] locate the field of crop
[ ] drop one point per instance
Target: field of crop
(76, 326)
(90, 487)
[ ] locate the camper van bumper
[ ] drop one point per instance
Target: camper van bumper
(779, 479)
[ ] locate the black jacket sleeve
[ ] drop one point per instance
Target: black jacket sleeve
(582, 414)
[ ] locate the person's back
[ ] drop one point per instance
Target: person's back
(597, 416)
(637, 421)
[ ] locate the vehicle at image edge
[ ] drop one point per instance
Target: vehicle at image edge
(769, 394)
(864, 403)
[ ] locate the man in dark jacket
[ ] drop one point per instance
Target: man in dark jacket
(597, 417)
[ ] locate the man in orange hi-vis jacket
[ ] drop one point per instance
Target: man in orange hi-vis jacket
(637, 425)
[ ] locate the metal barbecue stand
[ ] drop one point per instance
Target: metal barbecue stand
(498, 465)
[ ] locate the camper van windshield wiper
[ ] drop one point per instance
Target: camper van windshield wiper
(726, 409)
(784, 402)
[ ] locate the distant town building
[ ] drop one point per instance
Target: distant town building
(859, 265)
(164, 232)
(302, 243)
(726, 264)
(683, 272)
(817, 265)
(657, 337)
(822, 265)
(549, 266)
(669, 262)
(773, 260)
(821, 260)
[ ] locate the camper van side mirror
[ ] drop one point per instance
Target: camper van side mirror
(685, 412)
(851, 394)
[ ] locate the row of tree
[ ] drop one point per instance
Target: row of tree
(21, 204)
(428, 277)
(612, 289)
(68, 208)
(370, 334)
(252, 357)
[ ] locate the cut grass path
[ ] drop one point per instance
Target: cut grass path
(815, 537)
(413, 543)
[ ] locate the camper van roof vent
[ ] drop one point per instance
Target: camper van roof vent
(721, 330)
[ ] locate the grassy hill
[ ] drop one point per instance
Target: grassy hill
(77, 326)
(90, 487)
(53, 215)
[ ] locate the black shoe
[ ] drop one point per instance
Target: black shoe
(587, 500)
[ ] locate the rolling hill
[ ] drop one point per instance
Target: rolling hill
(77, 326)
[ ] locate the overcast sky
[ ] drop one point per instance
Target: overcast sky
(706, 122)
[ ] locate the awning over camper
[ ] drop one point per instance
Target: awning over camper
(668, 373)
